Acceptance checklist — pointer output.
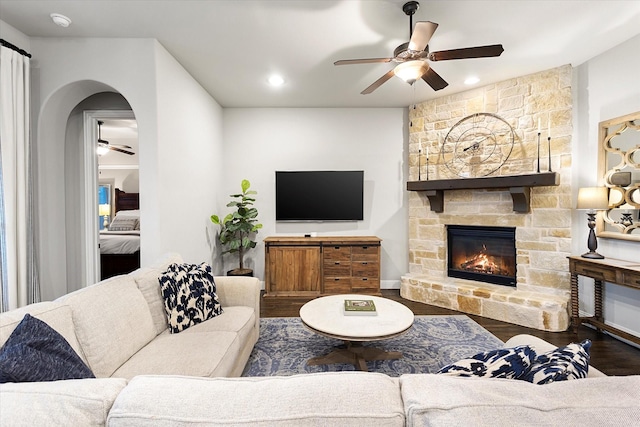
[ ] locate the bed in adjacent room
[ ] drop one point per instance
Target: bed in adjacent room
(120, 242)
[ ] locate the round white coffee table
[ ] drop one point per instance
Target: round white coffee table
(325, 316)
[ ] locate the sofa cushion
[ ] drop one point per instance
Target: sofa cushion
(440, 400)
(55, 314)
(174, 354)
(541, 346)
(189, 293)
(500, 363)
(36, 352)
(64, 403)
(563, 363)
(325, 399)
(147, 280)
(112, 321)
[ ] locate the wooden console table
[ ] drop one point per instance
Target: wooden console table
(623, 273)
(314, 266)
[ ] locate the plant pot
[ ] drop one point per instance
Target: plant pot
(240, 272)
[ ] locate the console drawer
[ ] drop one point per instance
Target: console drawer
(596, 272)
(336, 268)
(365, 284)
(364, 269)
(337, 253)
(337, 285)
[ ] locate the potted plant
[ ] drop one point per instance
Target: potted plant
(237, 228)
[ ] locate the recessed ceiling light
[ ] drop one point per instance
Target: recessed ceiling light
(471, 80)
(60, 20)
(276, 80)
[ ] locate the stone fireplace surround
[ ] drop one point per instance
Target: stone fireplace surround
(540, 298)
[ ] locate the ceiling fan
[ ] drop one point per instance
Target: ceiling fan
(104, 146)
(412, 57)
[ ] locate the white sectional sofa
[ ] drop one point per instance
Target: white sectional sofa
(149, 377)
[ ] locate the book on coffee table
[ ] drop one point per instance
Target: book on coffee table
(359, 307)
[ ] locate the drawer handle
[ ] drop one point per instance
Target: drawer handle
(365, 247)
(336, 280)
(365, 263)
(364, 279)
(336, 247)
(337, 263)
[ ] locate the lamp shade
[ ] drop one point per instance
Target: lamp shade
(104, 209)
(411, 71)
(596, 198)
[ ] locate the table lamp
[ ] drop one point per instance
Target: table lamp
(104, 210)
(593, 198)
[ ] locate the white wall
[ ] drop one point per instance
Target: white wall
(190, 164)
(178, 125)
(606, 86)
(259, 141)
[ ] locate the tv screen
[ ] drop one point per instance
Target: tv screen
(319, 195)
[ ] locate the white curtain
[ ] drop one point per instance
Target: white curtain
(17, 261)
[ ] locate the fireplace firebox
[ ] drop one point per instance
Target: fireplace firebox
(484, 254)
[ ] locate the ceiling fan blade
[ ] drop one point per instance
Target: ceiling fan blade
(434, 80)
(123, 146)
(468, 52)
(120, 150)
(422, 33)
(361, 61)
(375, 85)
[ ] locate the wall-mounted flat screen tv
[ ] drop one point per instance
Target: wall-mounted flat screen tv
(319, 195)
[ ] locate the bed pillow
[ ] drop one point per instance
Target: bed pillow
(189, 294)
(130, 213)
(123, 224)
(37, 352)
(501, 363)
(564, 363)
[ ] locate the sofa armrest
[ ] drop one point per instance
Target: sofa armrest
(239, 290)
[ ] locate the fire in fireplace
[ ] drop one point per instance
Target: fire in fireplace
(485, 254)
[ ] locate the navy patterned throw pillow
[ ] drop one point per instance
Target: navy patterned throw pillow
(564, 363)
(189, 294)
(502, 363)
(37, 352)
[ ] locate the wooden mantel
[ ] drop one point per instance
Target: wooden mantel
(519, 186)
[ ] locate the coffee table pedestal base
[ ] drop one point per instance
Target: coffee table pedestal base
(356, 354)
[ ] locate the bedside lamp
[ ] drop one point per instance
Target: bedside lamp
(104, 210)
(593, 198)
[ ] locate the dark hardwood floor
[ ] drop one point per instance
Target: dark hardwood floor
(608, 354)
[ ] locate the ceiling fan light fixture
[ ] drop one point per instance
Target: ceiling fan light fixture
(411, 71)
(60, 20)
(102, 150)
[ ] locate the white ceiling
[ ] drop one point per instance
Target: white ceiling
(232, 46)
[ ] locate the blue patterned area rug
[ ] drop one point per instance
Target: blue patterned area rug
(285, 345)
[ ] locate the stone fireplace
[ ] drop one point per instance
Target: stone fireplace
(539, 298)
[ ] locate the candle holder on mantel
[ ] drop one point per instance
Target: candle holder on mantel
(427, 165)
(549, 152)
(419, 155)
(538, 149)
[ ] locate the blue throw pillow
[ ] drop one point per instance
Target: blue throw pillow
(37, 352)
(502, 363)
(189, 294)
(563, 363)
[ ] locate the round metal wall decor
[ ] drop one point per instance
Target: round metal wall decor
(478, 145)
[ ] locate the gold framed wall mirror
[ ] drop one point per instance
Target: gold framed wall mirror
(619, 166)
